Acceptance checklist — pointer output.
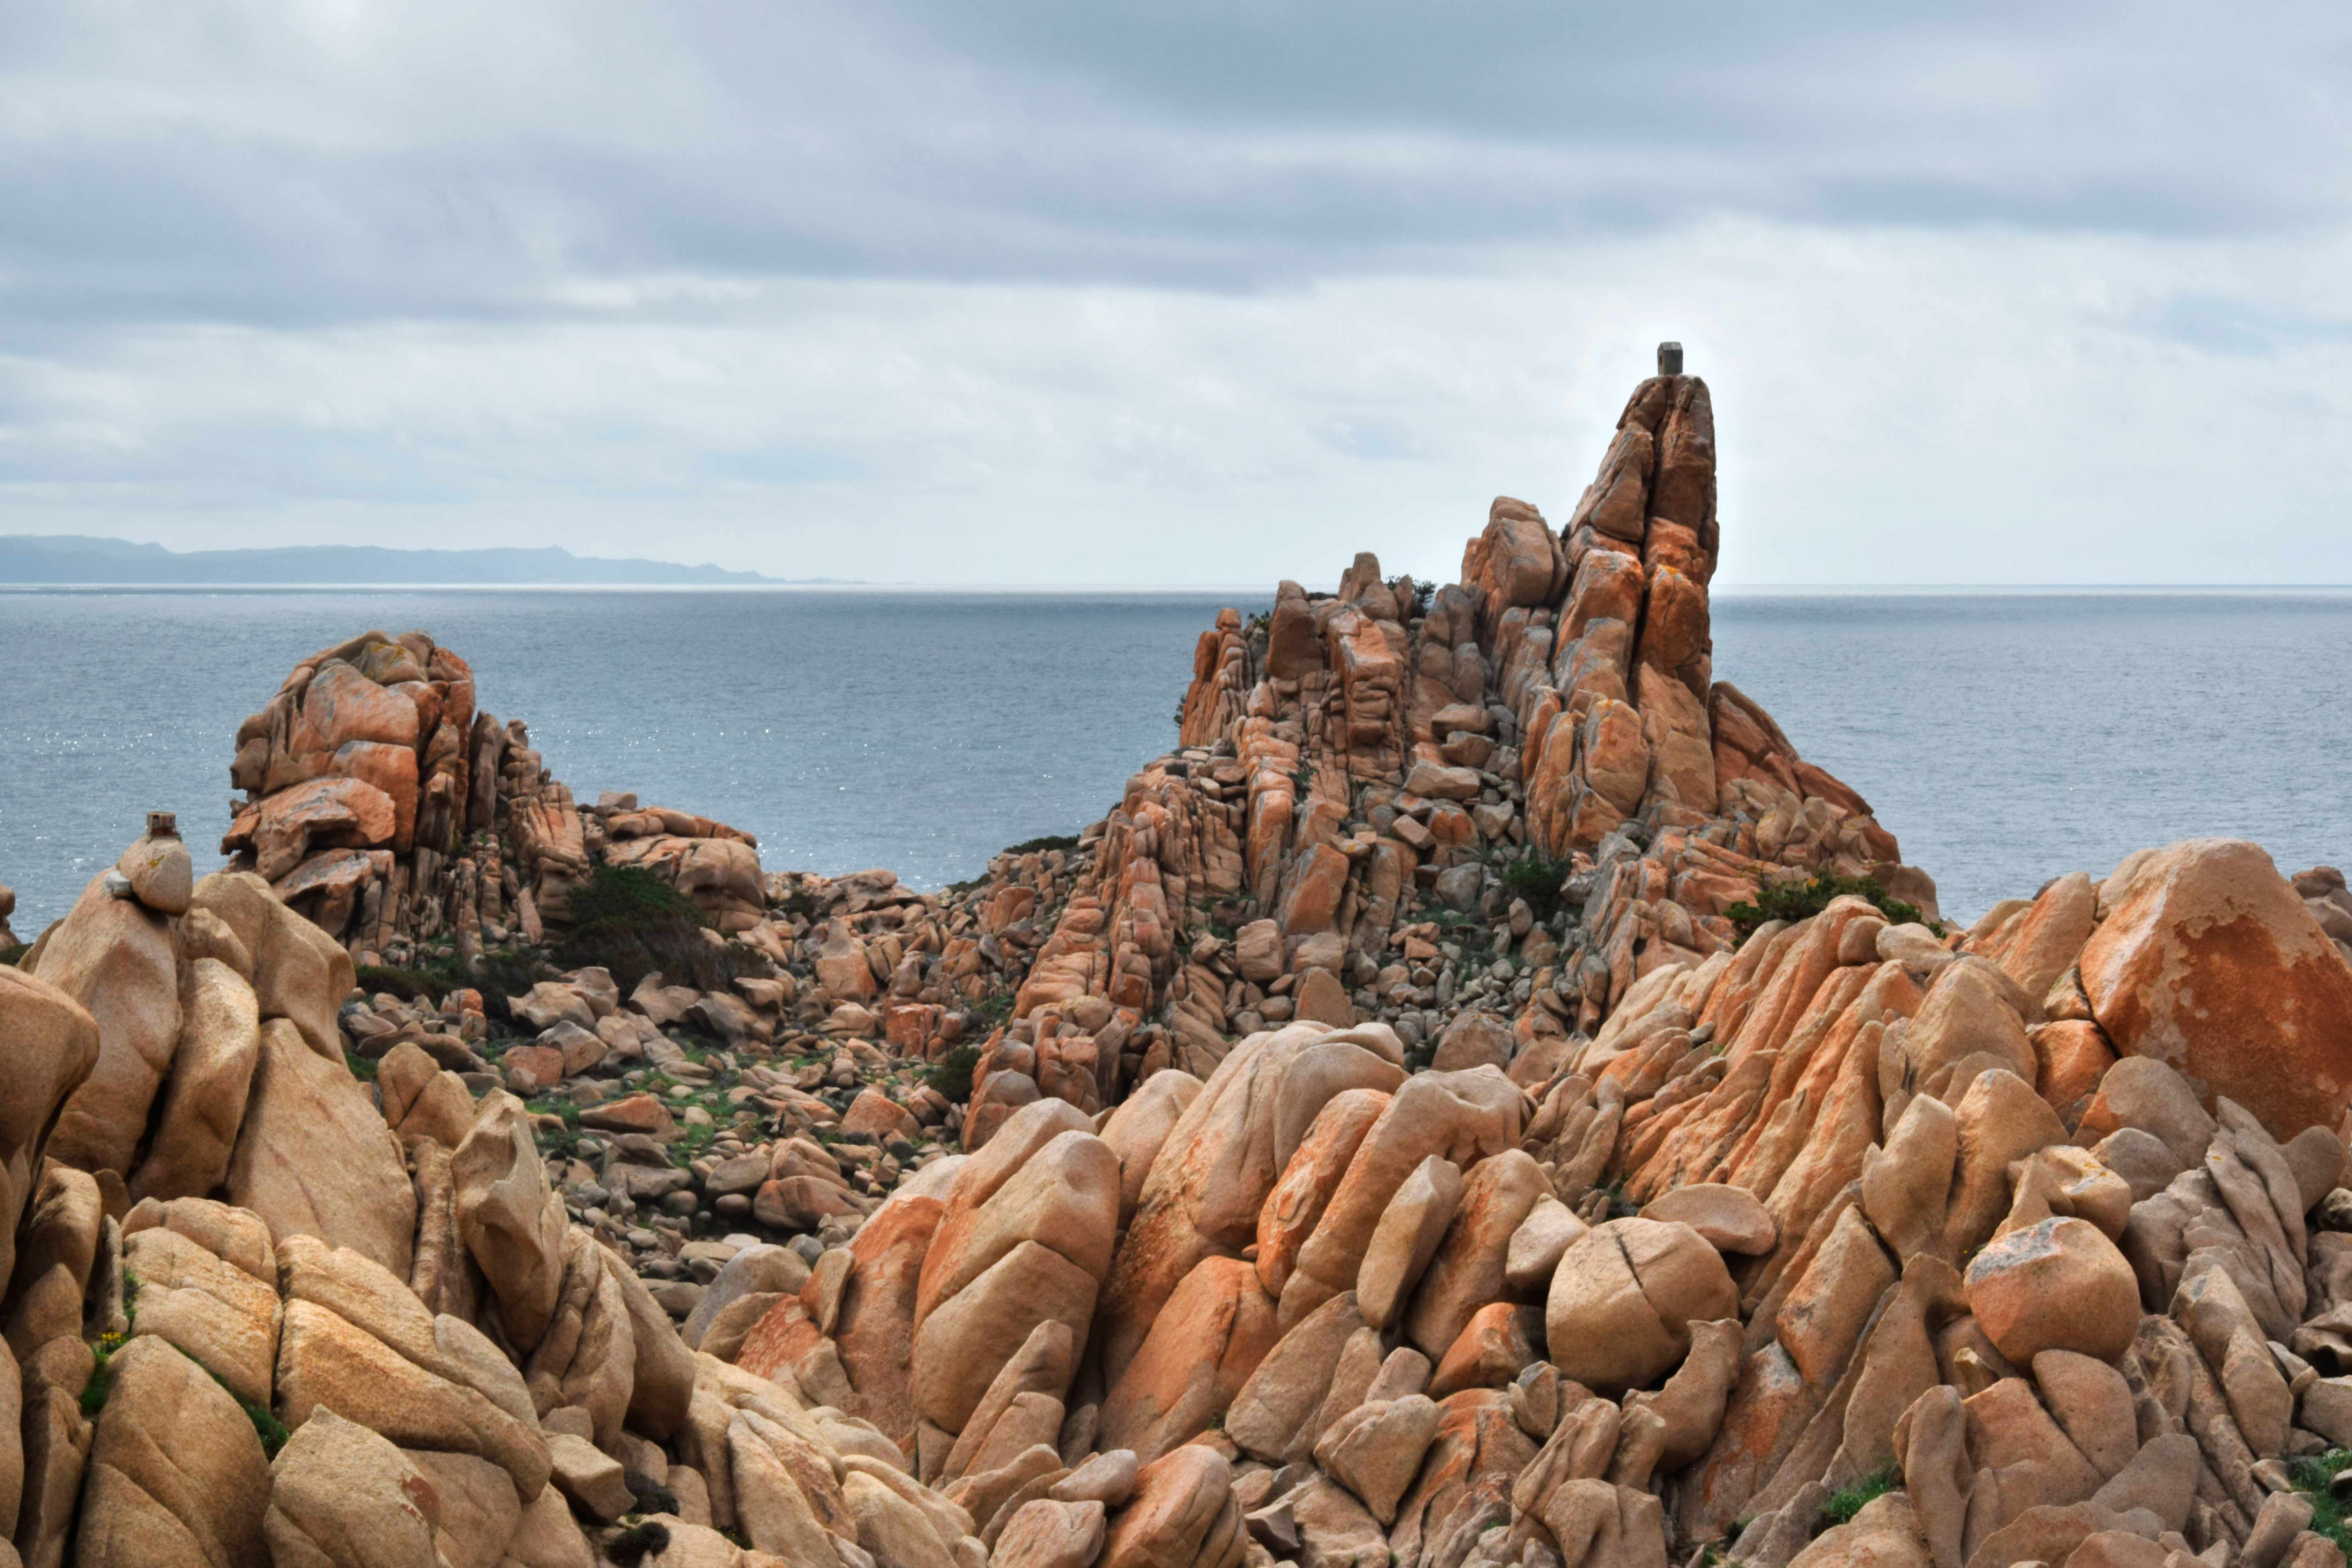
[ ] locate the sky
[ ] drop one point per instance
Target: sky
(1044, 292)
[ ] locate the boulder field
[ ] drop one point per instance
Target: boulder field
(1482, 1100)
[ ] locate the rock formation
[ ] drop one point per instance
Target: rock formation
(1395, 1135)
(381, 804)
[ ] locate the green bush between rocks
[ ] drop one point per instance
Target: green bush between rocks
(1538, 881)
(1794, 900)
(952, 1074)
(1851, 1500)
(629, 922)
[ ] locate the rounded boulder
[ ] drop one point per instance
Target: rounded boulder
(2060, 1285)
(1625, 1298)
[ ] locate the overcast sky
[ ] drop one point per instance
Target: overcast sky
(1078, 292)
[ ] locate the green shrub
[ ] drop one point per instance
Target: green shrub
(1039, 845)
(629, 920)
(1794, 899)
(952, 1074)
(1845, 1504)
(635, 1542)
(628, 895)
(14, 956)
(408, 985)
(497, 973)
(1538, 881)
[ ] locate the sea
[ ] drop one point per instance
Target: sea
(2004, 737)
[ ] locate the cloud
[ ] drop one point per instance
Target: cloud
(1063, 292)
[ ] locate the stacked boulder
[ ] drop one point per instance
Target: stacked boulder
(1840, 1212)
(259, 1310)
(379, 802)
(1320, 1200)
(1494, 806)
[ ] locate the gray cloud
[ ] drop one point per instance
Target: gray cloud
(1124, 291)
(233, 161)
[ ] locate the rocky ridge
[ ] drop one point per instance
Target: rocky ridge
(1402, 1131)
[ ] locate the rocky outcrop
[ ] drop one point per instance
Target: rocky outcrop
(381, 804)
(344, 1323)
(1385, 1138)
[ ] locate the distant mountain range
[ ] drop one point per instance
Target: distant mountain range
(67, 559)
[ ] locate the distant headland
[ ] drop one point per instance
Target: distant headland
(67, 560)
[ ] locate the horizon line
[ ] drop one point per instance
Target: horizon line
(857, 586)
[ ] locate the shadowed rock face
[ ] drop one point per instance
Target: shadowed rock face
(1316, 1194)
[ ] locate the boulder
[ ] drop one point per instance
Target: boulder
(1298, 1199)
(2213, 964)
(1471, 1265)
(509, 1218)
(1405, 1239)
(1213, 1175)
(53, 1044)
(1027, 1235)
(342, 1497)
(1885, 1534)
(1273, 1418)
(1046, 1533)
(891, 1530)
(223, 1314)
(874, 1326)
(1622, 1302)
(1476, 1039)
(212, 1073)
(1182, 1515)
(356, 1341)
(1208, 1339)
(1728, 1217)
(2060, 1285)
(479, 1511)
(1551, 1228)
(1375, 1450)
(177, 1477)
(115, 957)
(314, 1158)
(1140, 1126)
(299, 973)
(1461, 1117)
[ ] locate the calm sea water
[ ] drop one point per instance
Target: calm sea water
(2004, 738)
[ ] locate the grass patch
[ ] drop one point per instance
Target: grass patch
(952, 1074)
(2312, 1477)
(1538, 881)
(101, 1375)
(1795, 899)
(362, 1069)
(1852, 1499)
(15, 954)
